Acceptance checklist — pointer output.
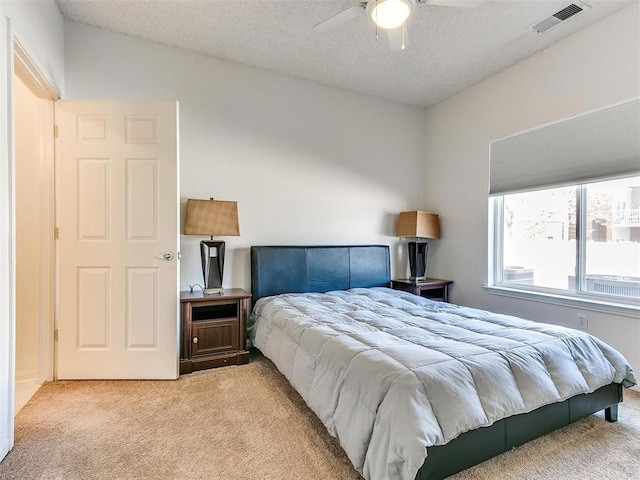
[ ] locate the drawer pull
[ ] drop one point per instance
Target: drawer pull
(195, 339)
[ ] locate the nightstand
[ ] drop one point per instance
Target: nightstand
(433, 288)
(213, 330)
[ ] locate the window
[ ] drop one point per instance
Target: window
(581, 240)
(575, 233)
(538, 248)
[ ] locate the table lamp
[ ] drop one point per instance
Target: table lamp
(418, 226)
(212, 217)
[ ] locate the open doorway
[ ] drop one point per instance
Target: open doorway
(34, 227)
(27, 241)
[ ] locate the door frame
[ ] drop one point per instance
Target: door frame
(32, 77)
(19, 62)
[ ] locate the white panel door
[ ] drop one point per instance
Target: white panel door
(117, 214)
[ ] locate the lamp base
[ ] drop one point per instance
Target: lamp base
(417, 259)
(213, 291)
(212, 256)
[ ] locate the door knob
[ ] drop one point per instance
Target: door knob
(165, 256)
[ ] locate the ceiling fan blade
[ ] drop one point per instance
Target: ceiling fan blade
(456, 3)
(398, 38)
(340, 18)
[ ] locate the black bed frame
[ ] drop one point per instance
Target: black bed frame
(301, 269)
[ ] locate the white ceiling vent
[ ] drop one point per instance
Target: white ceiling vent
(557, 18)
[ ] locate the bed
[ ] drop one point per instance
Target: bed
(392, 375)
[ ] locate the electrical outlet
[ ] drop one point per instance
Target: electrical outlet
(583, 322)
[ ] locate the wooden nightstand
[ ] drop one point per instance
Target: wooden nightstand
(213, 330)
(433, 288)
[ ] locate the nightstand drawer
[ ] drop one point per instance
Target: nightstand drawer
(212, 337)
(204, 362)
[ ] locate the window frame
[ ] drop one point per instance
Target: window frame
(580, 296)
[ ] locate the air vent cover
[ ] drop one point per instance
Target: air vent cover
(567, 12)
(548, 23)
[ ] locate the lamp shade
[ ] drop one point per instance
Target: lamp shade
(418, 224)
(211, 217)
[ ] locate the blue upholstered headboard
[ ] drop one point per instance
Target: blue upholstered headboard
(299, 269)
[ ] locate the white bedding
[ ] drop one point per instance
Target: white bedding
(391, 374)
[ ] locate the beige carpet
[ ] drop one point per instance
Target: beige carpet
(246, 422)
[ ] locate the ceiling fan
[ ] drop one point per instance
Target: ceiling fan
(390, 15)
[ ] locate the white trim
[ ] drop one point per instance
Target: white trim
(566, 301)
(26, 375)
(496, 253)
(581, 238)
(25, 389)
(12, 227)
(6, 348)
(46, 267)
(27, 71)
(4, 447)
(7, 245)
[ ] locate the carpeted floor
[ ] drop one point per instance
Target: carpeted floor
(247, 422)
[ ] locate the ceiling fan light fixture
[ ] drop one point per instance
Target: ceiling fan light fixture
(390, 14)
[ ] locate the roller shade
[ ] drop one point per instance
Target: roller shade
(595, 145)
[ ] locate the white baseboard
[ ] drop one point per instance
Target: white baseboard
(25, 375)
(24, 391)
(4, 447)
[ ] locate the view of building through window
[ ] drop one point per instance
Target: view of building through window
(541, 238)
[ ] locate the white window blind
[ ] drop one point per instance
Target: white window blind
(595, 145)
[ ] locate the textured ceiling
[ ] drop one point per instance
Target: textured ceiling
(450, 48)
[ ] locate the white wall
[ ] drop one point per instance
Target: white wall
(590, 69)
(39, 27)
(307, 164)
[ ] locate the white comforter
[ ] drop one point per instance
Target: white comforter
(390, 374)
